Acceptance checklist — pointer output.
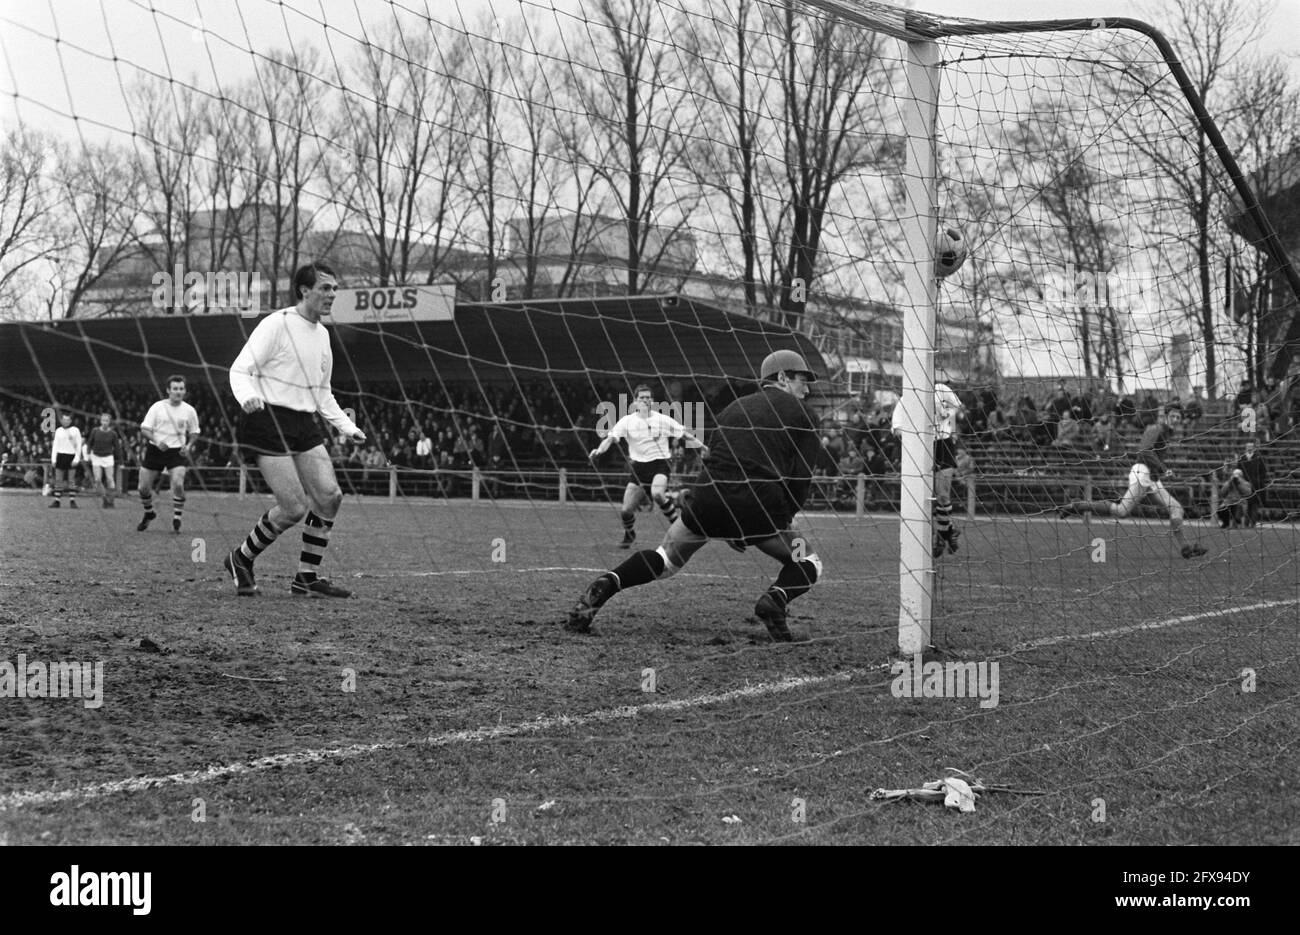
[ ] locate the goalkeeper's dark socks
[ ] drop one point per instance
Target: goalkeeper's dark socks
(263, 535)
(640, 568)
(795, 578)
(315, 537)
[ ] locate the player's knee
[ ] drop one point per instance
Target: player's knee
(294, 512)
(815, 572)
(627, 515)
(670, 567)
(330, 503)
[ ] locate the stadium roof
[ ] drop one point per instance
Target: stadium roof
(650, 337)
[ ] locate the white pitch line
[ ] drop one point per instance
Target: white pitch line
(476, 735)
(520, 728)
(1155, 624)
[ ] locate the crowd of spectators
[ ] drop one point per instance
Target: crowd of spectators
(424, 425)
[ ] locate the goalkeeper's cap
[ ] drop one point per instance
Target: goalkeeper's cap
(781, 361)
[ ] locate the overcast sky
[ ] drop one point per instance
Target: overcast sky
(76, 75)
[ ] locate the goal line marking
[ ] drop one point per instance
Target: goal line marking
(538, 725)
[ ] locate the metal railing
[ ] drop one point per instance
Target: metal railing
(984, 494)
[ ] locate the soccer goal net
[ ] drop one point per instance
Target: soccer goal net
(537, 213)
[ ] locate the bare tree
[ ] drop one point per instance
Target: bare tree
(829, 129)
(98, 191)
(639, 126)
(1212, 38)
(401, 172)
(1265, 133)
(288, 161)
(168, 128)
(25, 212)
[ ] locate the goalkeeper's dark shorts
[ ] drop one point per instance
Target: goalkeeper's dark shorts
(737, 509)
(275, 430)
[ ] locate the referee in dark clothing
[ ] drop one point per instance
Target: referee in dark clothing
(755, 479)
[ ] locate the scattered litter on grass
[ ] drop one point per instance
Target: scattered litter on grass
(959, 790)
(732, 819)
(549, 804)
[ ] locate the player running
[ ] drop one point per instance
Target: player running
(648, 434)
(169, 427)
(1143, 484)
(947, 407)
(65, 455)
(754, 481)
(281, 380)
(101, 450)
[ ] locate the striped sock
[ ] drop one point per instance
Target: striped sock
(146, 500)
(315, 537)
(943, 518)
(178, 507)
(263, 534)
(57, 491)
(629, 520)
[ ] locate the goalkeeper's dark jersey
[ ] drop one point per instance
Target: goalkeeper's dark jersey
(769, 439)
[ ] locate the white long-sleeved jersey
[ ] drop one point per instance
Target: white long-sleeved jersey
(946, 409)
(66, 442)
(287, 362)
(648, 436)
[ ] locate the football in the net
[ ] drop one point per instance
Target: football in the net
(949, 252)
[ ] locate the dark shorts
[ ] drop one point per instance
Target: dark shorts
(643, 472)
(63, 462)
(750, 512)
(155, 459)
(945, 453)
(274, 430)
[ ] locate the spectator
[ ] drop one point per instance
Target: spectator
(1255, 470)
(1107, 436)
(1232, 500)
(424, 451)
(1245, 395)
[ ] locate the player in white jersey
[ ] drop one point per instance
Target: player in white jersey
(65, 454)
(281, 380)
(1144, 485)
(947, 408)
(649, 436)
(170, 427)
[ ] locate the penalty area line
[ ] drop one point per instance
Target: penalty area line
(13, 800)
(1155, 624)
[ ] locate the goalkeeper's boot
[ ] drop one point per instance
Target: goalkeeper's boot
(584, 612)
(1193, 550)
(146, 520)
(176, 525)
(951, 539)
(937, 547)
(240, 570)
(308, 585)
(629, 537)
(771, 613)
